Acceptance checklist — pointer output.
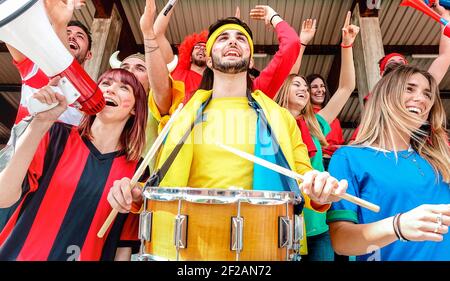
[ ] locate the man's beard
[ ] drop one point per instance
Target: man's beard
(230, 67)
(197, 62)
(81, 58)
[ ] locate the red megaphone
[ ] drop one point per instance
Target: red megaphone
(421, 6)
(25, 26)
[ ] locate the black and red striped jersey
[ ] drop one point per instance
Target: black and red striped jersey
(64, 203)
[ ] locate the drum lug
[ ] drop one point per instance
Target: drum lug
(237, 227)
(298, 236)
(145, 226)
(180, 233)
(285, 232)
(298, 229)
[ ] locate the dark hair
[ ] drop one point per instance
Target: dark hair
(392, 66)
(254, 72)
(132, 139)
(208, 75)
(313, 77)
(230, 20)
(84, 28)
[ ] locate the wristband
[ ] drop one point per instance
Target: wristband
(273, 17)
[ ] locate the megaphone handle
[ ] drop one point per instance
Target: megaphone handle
(35, 106)
(64, 88)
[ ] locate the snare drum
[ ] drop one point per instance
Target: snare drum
(190, 224)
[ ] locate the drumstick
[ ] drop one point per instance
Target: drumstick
(294, 175)
(148, 157)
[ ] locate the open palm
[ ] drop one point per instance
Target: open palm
(148, 17)
(308, 31)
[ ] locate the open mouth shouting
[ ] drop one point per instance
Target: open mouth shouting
(73, 45)
(110, 102)
(232, 52)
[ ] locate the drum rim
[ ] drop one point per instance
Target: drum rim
(220, 196)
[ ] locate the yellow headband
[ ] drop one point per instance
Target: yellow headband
(230, 26)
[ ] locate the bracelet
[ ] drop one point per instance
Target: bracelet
(303, 44)
(395, 228)
(273, 17)
(402, 238)
(346, 46)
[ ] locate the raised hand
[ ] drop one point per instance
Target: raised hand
(237, 14)
(308, 31)
(441, 10)
(148, 17)
(262, 12)
(60, 12)
(349, 31)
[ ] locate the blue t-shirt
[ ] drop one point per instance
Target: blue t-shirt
(396, 185)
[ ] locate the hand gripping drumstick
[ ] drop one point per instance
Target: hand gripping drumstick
(148, 157)
(294, 175)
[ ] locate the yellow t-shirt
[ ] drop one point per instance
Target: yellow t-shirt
(197, 166)
(230, 121)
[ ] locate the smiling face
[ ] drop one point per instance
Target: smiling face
(78, 44)
(230, 53)
(198, 56)
(318, 91)
(298, 94)
(418, 98)
(137, 67)
(119, 100)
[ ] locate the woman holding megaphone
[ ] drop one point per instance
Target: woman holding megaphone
(65, 173)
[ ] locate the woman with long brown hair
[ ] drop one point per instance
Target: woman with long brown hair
(320, 96)
(295, 96)
(401, 161)
(65, 173)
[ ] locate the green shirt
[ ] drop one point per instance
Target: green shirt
(316, 222)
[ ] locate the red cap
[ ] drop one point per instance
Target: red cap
(386, 58)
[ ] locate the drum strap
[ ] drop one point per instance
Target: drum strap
(280, 158)
(158, 176)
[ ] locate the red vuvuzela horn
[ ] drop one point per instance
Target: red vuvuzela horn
(422, 7)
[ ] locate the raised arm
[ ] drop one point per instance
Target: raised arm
(161, 24)
(440, 65)
(306, 35)
(273, 76)
(347, 80)
(12, 176)
(156, 67)
(59, 13)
